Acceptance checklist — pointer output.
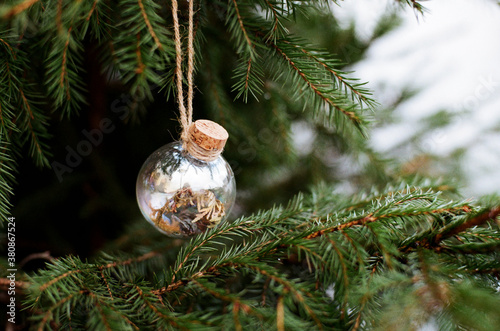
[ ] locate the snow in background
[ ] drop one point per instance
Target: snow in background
(450, 59)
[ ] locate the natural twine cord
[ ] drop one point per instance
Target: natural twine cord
(190, 134)
(190, 61)
(200, 153)
(186, 115)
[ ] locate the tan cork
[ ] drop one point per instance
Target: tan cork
(208, 135)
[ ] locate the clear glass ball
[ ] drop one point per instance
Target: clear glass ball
(182, 196)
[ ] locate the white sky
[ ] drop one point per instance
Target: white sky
(451, 56)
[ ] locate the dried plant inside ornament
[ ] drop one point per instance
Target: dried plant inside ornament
(185, 208)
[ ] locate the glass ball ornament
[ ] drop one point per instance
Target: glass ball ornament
(183, 189)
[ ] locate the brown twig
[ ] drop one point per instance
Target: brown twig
(106, 282)
(247, 77)
(9, 47)
(19, 284)
(140, 66)
(475, 221)
(30, 126)
(59, 15)
(92, 10)
(43, 255)
(64, 79)
(240, 20)
(276, 18)
(19, 8)
(370, 218)
(148, 24)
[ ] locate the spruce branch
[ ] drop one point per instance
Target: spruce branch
(162, 315)
(370, 218)
(59, 16)
(235, 300)
(249, 75)
(356, 90)
(148, 24)
(34, 123)
(92, 10)
(7, 178)
(22, 121)
(298, 294)
(316, 81)
(238, 30)
(63, 81)
(77, 269)
(277, 10)
(460, 227)
(330, 87)
(141, 50)
(364, 300)
(64, 65)
(47, 317)
(359, 244)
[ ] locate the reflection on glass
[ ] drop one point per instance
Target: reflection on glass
(181, 195)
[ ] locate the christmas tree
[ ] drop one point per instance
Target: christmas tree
(325, 234)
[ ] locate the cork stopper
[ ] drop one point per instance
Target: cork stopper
(206, 140)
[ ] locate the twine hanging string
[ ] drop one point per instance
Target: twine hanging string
(190, 61)
(186, 113)
(203, 139)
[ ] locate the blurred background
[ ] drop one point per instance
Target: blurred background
(436, 77)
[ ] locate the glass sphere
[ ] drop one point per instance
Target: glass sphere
(182, 196)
